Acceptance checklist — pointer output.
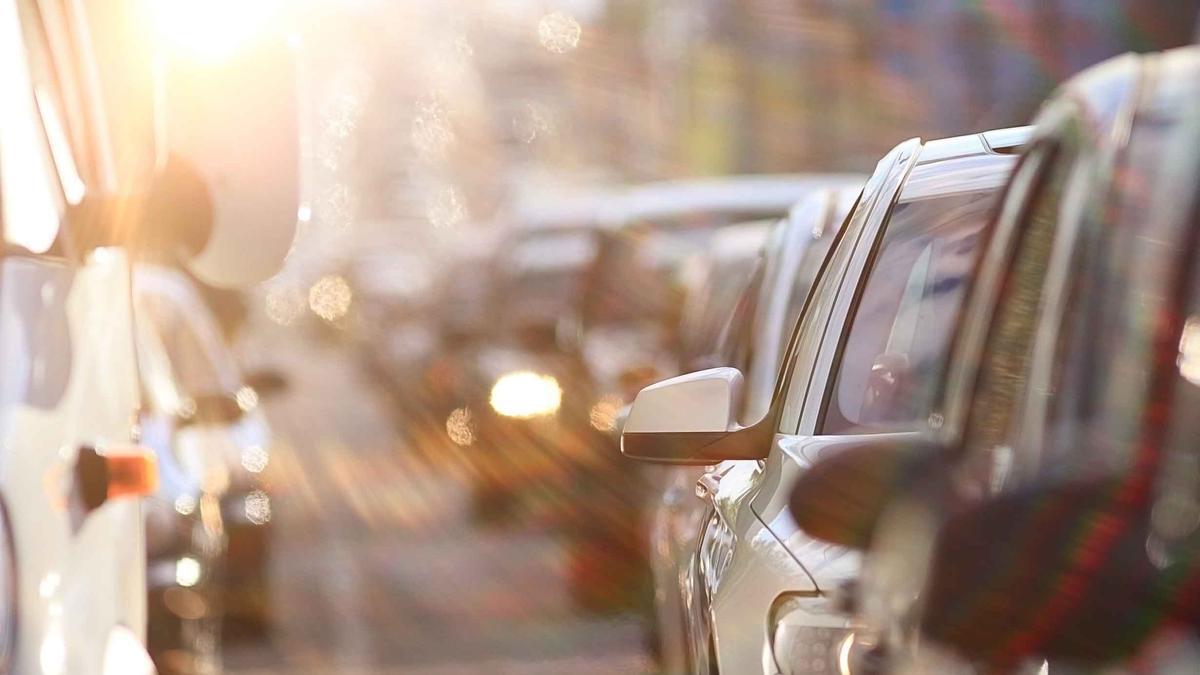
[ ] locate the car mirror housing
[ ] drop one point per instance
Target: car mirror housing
(237, 124)
(841, 498)
(692, 419)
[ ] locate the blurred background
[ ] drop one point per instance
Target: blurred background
(420, 522)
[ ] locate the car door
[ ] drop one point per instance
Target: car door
(742, 564)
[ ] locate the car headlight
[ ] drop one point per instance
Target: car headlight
(806, 635)
(525, 394)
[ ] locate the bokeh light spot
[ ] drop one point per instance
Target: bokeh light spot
(330, 297)
(284, 305)
(460, 427)
(603, 414)
(445, 208)
(559, 32)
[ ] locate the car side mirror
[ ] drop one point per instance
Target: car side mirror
(236, 122)
(692, 419)
(841, 498)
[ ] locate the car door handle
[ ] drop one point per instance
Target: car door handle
(707, 486)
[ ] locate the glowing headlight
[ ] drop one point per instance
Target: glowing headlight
(188, 571)
(525, 394)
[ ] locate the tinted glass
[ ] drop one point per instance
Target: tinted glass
(1004, 371)
(1119, 289)
(638, 276)
(891, 366)
(541, 277)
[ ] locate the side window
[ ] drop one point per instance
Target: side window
(891, 366)
(1119, 289)
(1004, 365)
(808, 330)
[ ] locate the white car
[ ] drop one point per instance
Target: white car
(865, 352)
(748, 331)
(74, 165)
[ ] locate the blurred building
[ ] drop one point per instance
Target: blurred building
(428, 117)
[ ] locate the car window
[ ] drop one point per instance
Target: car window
(815, 308)
(1003, 369)
(783, 294)
(814, 255)
(637, 276)
(716, 329)
(33, 202)
(546, 273)
(891, 366)
(1119, 287)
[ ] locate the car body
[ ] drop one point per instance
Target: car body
(73, 563)
(88, 185)
(1071, 396)
(759, 583)
(206, 426)
(751, 334)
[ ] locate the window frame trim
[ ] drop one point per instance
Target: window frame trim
(799, 387)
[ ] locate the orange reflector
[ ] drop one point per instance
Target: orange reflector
(132, 471)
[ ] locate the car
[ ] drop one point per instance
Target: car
(867, 347)
(208, 528)
(715, 298)
(1048, 516)
(629, 332)
(82, 195)
(747, 327)
(71, 560)
(525, 400)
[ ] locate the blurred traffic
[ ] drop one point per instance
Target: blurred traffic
(613, 336)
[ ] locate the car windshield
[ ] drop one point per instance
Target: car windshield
(546, 271)
(639, 274)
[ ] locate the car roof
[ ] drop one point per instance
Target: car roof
(740, 240)
(762, 194)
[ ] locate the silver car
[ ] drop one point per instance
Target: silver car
(864, 362)
(750, 334)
